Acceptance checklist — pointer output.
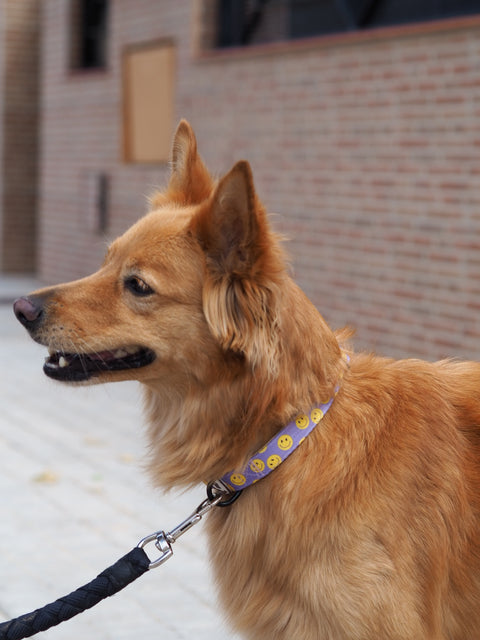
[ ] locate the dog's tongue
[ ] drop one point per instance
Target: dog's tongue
(109, 355)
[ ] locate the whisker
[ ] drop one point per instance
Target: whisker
(90, 350)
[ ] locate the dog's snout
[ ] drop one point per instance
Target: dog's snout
(28, 311)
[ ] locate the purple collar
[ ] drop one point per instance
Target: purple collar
(279, 447)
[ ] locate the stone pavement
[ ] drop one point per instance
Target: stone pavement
(74, 499)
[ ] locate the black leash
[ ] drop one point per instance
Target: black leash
(106, 584)
(116, 577)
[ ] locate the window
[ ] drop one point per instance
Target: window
(148, 102)
(94, 209)
(246, 22)
(89, 31)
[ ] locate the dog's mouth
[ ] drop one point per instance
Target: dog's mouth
(77, 367)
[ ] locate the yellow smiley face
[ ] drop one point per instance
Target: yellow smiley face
(285, 442)
(257, 465)
(237, 479)
(302, 421)
(316, 415)
(273, 461)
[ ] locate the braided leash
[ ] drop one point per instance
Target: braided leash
(220, 493)
(108, 583)
(115, 578)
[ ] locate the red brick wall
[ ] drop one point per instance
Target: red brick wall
(366, 148)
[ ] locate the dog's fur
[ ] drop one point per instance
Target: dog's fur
(371, 529)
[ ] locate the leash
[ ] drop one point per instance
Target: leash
(116, 577)
(221, 493)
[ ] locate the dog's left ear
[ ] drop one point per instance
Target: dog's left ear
(229, 230)
(244, 267)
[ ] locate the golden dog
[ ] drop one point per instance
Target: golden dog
(371, 528)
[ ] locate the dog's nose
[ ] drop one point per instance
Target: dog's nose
(28, 311)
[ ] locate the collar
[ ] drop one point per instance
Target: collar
(277, 450)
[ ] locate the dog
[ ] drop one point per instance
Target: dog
(370, 529)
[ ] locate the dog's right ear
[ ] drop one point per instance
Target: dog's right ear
(190, 182)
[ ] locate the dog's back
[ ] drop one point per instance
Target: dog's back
(372, 531)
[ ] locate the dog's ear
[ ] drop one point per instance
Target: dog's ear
(244, 264)
(229, 230)
(190, 181)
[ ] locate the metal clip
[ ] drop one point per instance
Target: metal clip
(162, 545)
(219, 488)
(163, 541)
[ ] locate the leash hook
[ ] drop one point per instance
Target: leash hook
(114, 578)
(162, 545)
(216, 494)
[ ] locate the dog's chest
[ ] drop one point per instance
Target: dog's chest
(307, 582)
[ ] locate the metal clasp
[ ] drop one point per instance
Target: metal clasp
(163, 541)
(162, 545)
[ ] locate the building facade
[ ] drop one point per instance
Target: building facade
(364, 143)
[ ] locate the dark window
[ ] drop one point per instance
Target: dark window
(402, 11)
(243, 22)
(89, 34)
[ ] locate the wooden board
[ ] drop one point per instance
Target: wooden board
(149, 78)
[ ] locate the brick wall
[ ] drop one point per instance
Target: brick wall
(19, 138)
(365, 147)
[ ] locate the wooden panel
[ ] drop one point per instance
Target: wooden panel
(149, 78)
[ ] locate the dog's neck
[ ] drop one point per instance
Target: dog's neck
(280, 447)
(201, 433)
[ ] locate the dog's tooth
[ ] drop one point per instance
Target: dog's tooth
(63, 362)
(121, 353)
(131, 350)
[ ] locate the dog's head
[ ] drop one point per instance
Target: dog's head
(189, 286)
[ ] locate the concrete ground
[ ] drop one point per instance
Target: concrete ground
(74, 498)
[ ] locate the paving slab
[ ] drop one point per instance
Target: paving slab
(75, 498)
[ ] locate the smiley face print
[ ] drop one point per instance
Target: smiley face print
(257, 465)
(316, 415)
(237, 479)
(285, 442)
(273, 461)
(302, 421)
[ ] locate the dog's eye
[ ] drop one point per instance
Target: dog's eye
(138, 287)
